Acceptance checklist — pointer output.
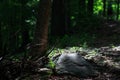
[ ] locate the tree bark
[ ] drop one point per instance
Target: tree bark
(67, 16)
(0, 39)
(90, 6)
(118, 2)
(39, 44)
(104, 8)
(110, 11)
(24, 26)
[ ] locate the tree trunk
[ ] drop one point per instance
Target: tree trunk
(24, 27)
(104, 8)
(0, 39)
(90, 6)
(58, 18)
(82, 6)
(67, 16)
(109, 11)
(117, 17)
(39, 44)
(13, 37)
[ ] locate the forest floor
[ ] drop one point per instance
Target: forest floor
(107, 62)
(108, 44)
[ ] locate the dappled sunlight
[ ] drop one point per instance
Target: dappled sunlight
(59, 39)
(106, 57)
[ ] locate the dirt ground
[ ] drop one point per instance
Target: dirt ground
(107, 65)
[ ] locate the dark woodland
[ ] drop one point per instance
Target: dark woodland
(59, 39)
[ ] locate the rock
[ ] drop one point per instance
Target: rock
(74, 64)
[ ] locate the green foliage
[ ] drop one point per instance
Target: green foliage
(16, 16)
(84, 50)
(77, 40)
(17, 57)
(98, 6)
(51, 64)
(19, 15)
(54, 52)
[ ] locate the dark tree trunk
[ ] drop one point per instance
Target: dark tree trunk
(109, 11)
(39, 44)
(1, 39)
(104, 8)
(58, 18)
(12, 38)
(12, 43)
(118, 2)
(82, 6)
(67, 16)
(25, 38)
(24, 27)
(90, 6)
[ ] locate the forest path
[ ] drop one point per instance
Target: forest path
(107, 54)
(104, 55)
(106, 60)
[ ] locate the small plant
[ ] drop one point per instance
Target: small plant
(51, 64)
(14, 58)
(112, 45)
(85, 45)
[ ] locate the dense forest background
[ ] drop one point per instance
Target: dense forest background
(83, 17)
(35, 27)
